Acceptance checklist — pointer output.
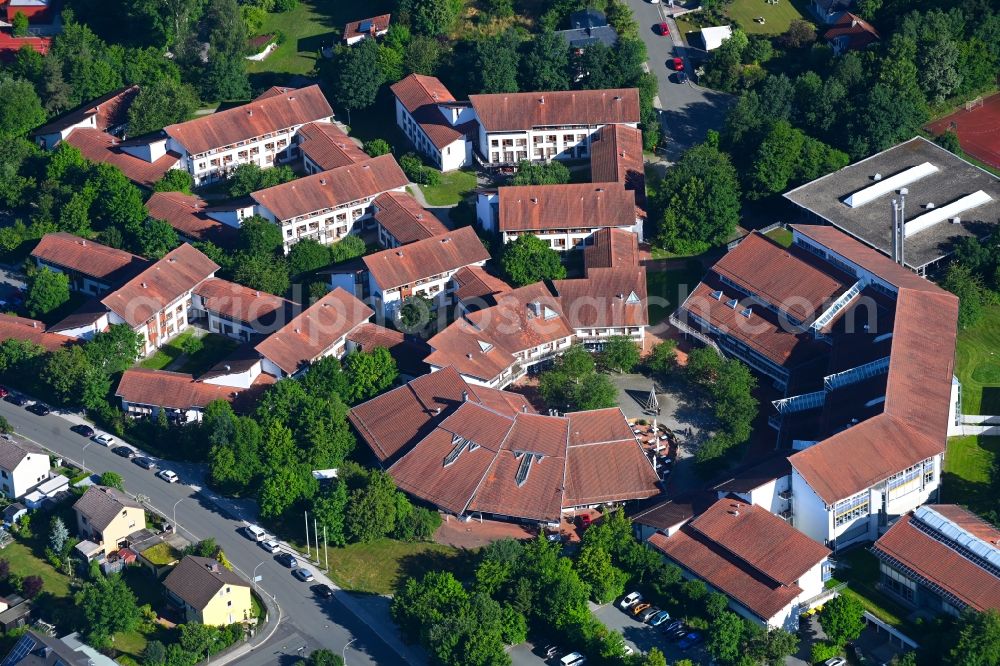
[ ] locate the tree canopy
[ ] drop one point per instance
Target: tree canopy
(529, 259)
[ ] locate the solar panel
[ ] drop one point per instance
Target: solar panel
(365, 26)
(20, 651)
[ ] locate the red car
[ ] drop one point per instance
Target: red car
(677, 64)
(3, 392)
(663, 29)
(585, 521)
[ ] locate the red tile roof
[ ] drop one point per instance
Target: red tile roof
(329, 189)
(396, 420)
(9, 45)
(474, 282)
(732, 563)
(101, 147)
(111, 109)
(264, 312)
(482, 344)
(518, 464)
(177, 273)
(186, 214)
(521, 111)
(327, 146)
(31, 330)
(265, 114)
(420, 95)
(612, 248)
(616, 156)
(602, 298)
(403, 217)
(575, 206)
(100, 262)
(378, 24)
(859, 33)
(175, 390)
(439, 254)
(314, 331)
(932, 560)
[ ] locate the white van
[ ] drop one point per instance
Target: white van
(573, 659)
(255, 533)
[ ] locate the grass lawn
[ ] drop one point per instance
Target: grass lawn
(780, 236)
(777, 17)
(166, 354)
(378, 567)
(861, 575)
(453, 188)
(967, 466)
(23, 562)
(978, 364)
(215, 348)
(668, 289)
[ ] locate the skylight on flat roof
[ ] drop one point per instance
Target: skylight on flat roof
(935, 215)
(886, 185)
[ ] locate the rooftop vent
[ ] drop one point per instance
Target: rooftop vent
(143, 285)
(322, 181)
(298, 330)
(534, 200)
(399, 253)
(249, 112)
(734, 512)
(446, 240)
(717, 294)
(541, 100)
(732, 303)
(746, 313)
(618, 98)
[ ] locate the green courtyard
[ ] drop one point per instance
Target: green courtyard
(977, 364)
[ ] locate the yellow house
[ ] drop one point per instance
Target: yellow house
(107, 516)
(208, 592)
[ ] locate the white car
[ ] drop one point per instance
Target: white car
(270, 546)
(631, 600)
(573, 659)
(255, 533)
(168, 476)
(104, 439)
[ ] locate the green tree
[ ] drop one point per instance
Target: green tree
(262, 272)
(938, 63)
(596, 391)
(529, 259)
(425, 602)
(369, 373)
(978, 642)
(371, 512)
(416, 313)
(259, 236)
(545, 66)
(287, 478)
(961, 281)
(663, 357)
(949, 141)
(175, 180)
(842, 619)
(156, 238)
(324, 657)
(430, 17)
(109, 607)
(620, 354)
(329, 508)
(58, 535)
(306, 256)
(19, 25)
(346, 248)
(471, 637)
(155, 654)
(498, 62)
(225, 76)
(5, 426)
(724, 638)
(359, 76)
(114, 350)
(776, 160)
(47, 290)
(160, 103)
(20, 108)
(377, 147)
(422, 56)
(550, 173)
(606, 581)
(700, 200)
(249, 178)
(112, 480)
(654, 658)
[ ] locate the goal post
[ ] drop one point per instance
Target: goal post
(973, 103)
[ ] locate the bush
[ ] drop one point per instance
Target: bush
(377, 147)
(285, 5)
(412, 166)
(821, 651)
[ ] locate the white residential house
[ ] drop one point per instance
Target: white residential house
(542, 126)
(440, 127)
(22, 467)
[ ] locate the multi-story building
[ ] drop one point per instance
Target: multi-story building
(400, 220)
(209, 593)
(542, 126)
(770, 572)
(328, 205)
(22, 467)
(564, 216)
(238, 312)
(864, 351)
(107, 113)
(194, 220)
(324, 146)
(107, 517)
(92, 268)
(421, 268)
(261, 132)
(156, 303)
(616, 157)
(441, 128)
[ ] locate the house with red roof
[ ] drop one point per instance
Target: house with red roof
(863, 350)
(357, 31)
(440, 127)
(851, 33)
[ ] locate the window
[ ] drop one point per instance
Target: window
(897, 583)
(851, 509)
(928, 472)
(905, 481)
(229, 603)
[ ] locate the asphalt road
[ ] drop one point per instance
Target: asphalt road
(688, 111)
(306, 623)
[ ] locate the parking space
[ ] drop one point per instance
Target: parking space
(642, 637)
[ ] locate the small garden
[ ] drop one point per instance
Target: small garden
(977, 357)
(191, 353)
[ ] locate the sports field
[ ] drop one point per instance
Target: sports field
(978, 129)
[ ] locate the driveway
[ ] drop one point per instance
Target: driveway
(641, 637)
(688, 111)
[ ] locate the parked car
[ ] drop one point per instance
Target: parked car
(585, 520)
(630, 599)
(677, 64)
(83, 429)
(627, 651)
(123, 451)
(835, 661)
(17, 399)
(677, 634)
(639, 608)
(648, 614)
(303, 574)
(255, 533)
(104, 439)
(573, 659)
(322, 591)
(3, 392)
(663, 29)
(689, 641)
(144, 462)
(673, 626)
(39, 408)
(288, 560)
(168, 476)
(659, 618)
(551, 651)
(270, 546)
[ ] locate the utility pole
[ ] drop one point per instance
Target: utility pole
(316, 537)
(326, 549)
(307, 533)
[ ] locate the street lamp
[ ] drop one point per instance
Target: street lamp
(253, 576)
(343, 653)
(83, 456)
(176, 527)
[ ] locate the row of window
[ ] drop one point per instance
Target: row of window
(537, 140)
(851, 509)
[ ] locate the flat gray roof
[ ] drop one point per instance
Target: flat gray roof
(871, 223)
